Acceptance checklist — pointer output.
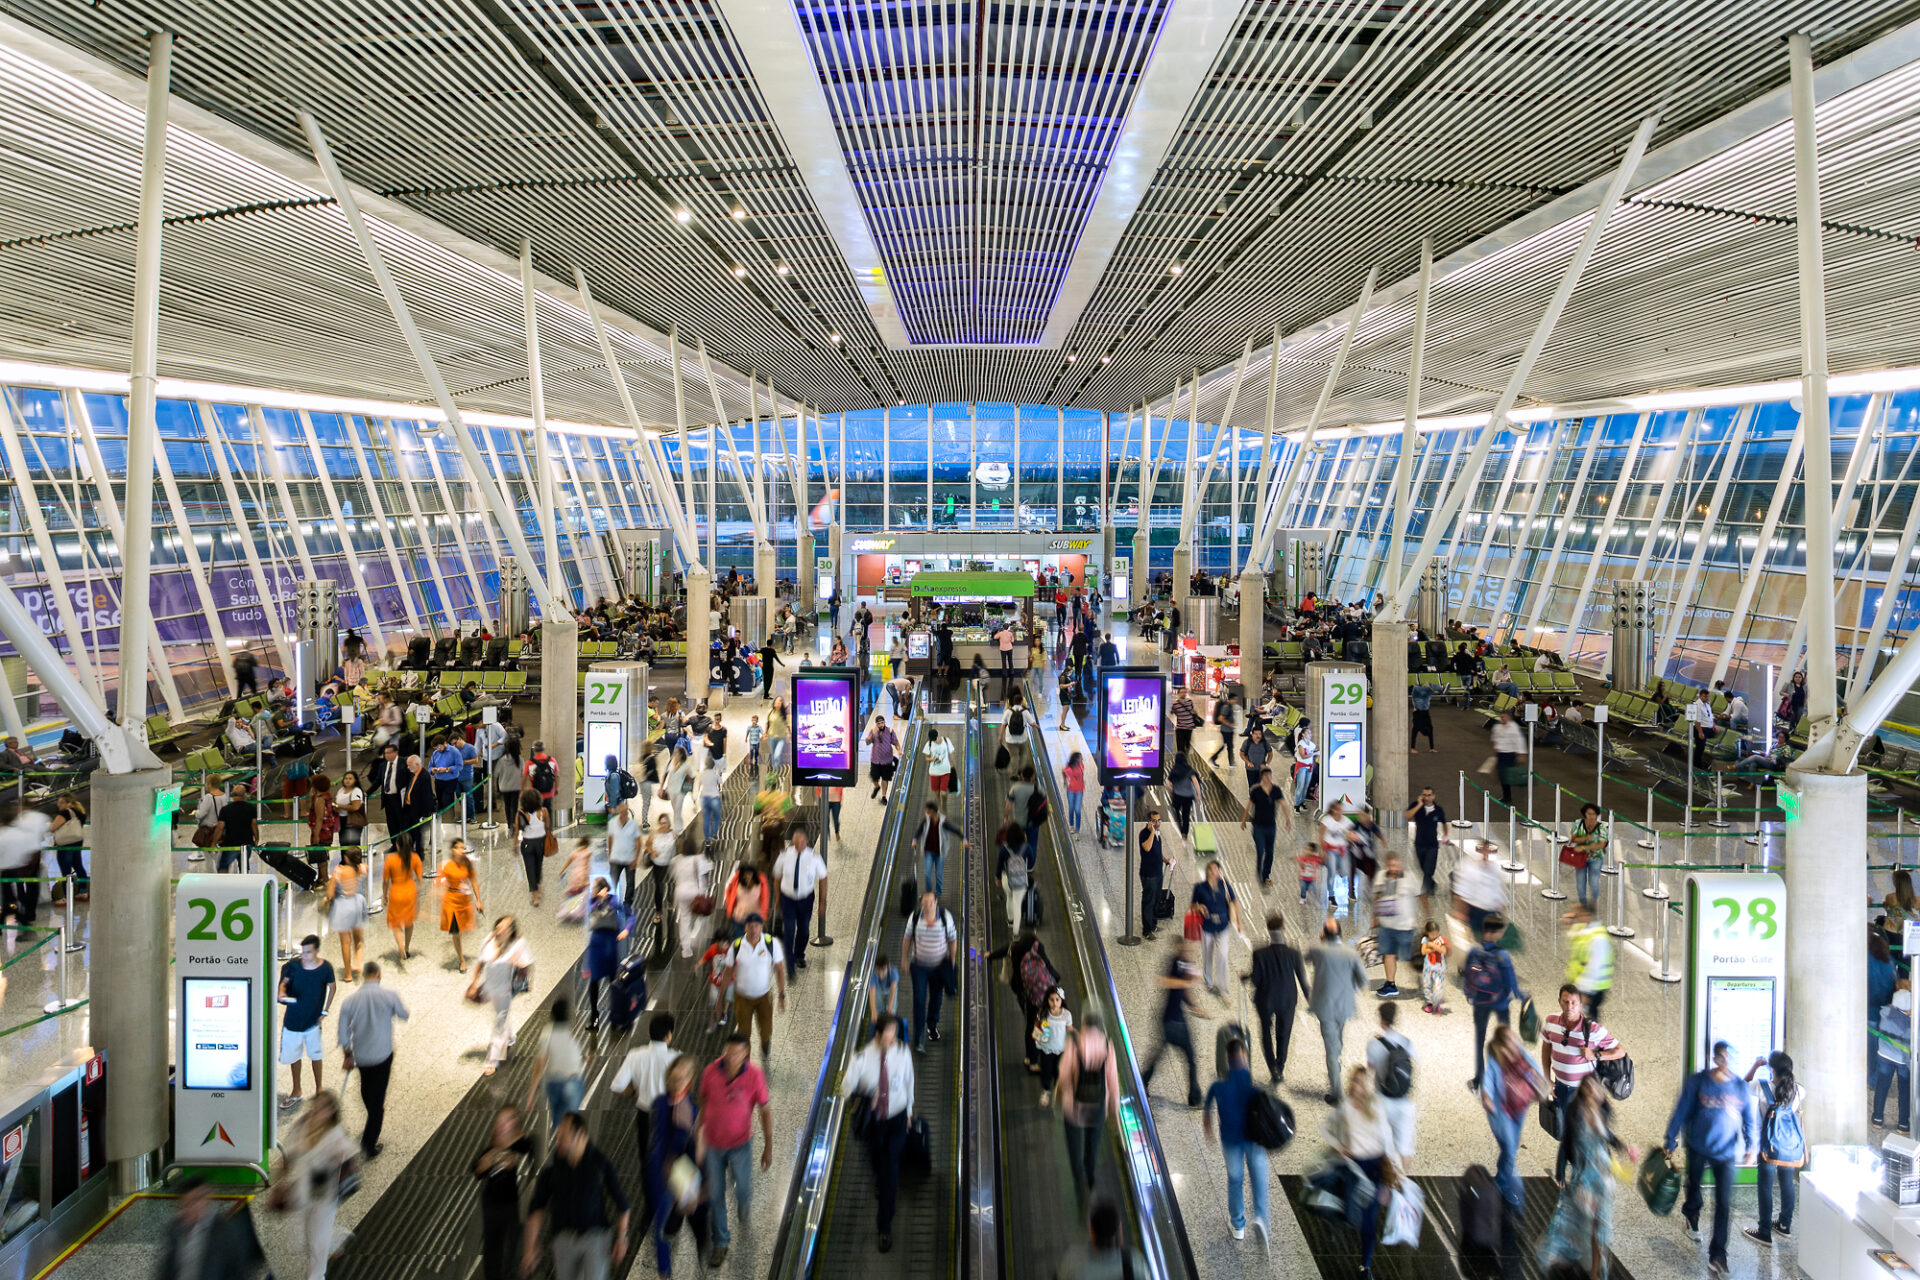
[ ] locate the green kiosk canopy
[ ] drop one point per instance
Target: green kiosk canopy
(966, 588)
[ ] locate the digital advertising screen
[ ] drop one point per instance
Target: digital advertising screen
(218, 1036)
(604, 738)
(919, 644)
(825, 728)
(1132, 727)
(1346, 755)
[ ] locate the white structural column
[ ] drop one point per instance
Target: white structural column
(1439, 524)
(457, 516)
(344, 531)
(1708, 524)
(1756, 567)
(1544, 592)
(376, 265)
(544, 508)
(1409, 430)
(197, 569)
(57, 585)
(267, 589)
(1822, 696)
(110, 512)
(402, 580)
(143, 430)
(1263, 537)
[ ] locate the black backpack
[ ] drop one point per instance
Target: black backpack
(542, 776)
(909, 896)
(1397, 1080)
(624, 787)
(1036, 809)
(1016, 721)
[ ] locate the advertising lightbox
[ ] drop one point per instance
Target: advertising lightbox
(1133, 730)
(825, 748)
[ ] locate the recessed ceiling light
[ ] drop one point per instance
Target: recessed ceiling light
(1072, 356)
(781, 269)
(1176, 268)
(739, 214)
(900, 402)
(739, 271)
(683, 214)
(1104, 359)
(833, 337)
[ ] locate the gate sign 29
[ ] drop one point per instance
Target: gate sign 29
(1343, 736)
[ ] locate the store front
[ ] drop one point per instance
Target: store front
(877, 562)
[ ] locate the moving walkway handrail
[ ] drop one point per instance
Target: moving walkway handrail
(807, 1195)
(1157, 1226)
(980, 1050)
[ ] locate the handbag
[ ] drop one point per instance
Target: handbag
(1529, 1023)
(1405, 1212)
(1617, 1075)
(552, 846)
(1001, 757)
(1658, 1182)
(1190, 925)
(1550, 1119)
(860, 1115)
(1573, 857)
(203, 837)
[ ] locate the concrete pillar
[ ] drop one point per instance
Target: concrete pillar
(805, 562)
(1253, 632)
(1390, 791)
(1182, 572)
(1140, 549)
(765, 569)
(837, 552)
(1826, 875)
(130, 980)
(560, 707)
(699, 633)
(1106, 561)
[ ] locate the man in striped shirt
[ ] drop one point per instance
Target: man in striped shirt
(1185, 721)
(1570, 1043)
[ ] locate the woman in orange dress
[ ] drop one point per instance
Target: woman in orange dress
(403, 898)
(459, 897)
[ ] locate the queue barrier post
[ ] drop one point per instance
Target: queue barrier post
(68, 936)
(1553, 892)
(1759, 823)
(1645, 841)
(1665, 973)
(1558, 829)
(286, 951)
(1659, 891)
(62, 1001)
(1513, 866)
(1620, 928)
(1460, 814)
(1719, 820)
(1486, 805)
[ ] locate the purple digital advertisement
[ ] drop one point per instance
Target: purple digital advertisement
(1131, 728)
(824, 737)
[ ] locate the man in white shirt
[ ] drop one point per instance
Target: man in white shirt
(882, 1072)
(643, 1077)
(490, 740)
(1509, 745)
(801, 873)
(1700, 719)
(1738, 717)
(928, 947)
(623, 850)
(22, 862)
(1393, 1078)
(756, 962)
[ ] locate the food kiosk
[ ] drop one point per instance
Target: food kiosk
(974, 606)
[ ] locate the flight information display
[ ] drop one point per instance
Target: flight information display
(218, 1040)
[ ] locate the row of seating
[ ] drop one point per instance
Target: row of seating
(504, 683)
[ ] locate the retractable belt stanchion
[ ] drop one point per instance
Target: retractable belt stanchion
(1759, 822)
(1460, 814)
(822, 938)
(489, 824)
(1665, 973)
(286, 951)
(1552, 892)
(1646, 841)
(1619, 928)
(1513, 866)
(1719, 820)
(63, 944)
(1659, 891)
(70, 938)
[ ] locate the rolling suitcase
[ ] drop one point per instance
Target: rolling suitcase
(1480, 1212)
(627, 994)
(297, 871)
(1227, 1034)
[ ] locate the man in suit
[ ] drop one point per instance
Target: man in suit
(209, 1241)
(1278, 972)
(391, 777)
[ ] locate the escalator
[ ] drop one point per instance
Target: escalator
(829, 1226)
(1042, 1212)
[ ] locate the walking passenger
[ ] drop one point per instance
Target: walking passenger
(1715, 1114)
(581, 1193)
(732, 1091)
(1358, 1129)
(1491, 987)
(1277, 970)
(1246, 1160)
(1089, 1094)
(882, 1073)
(1581, 1231)
(1338, 976)
(1509, 1086)
(365, 1037)
(929, 947)
(1783, 1146)
(1219, 907)
(1174, 1031)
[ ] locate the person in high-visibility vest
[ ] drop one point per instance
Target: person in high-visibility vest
(1589, 958)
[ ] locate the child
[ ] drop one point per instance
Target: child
(1311, 862)
(754, 734)
(883, 990)
(1433, 968)
(715, 963)
(1050, 1027)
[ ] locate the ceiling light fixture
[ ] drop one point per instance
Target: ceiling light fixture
(1104, 359)
(739, 214)
(833, 337)
(683, 215)
(738, 271)
(1176, 269)
(1072, 356)
(780, 269)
